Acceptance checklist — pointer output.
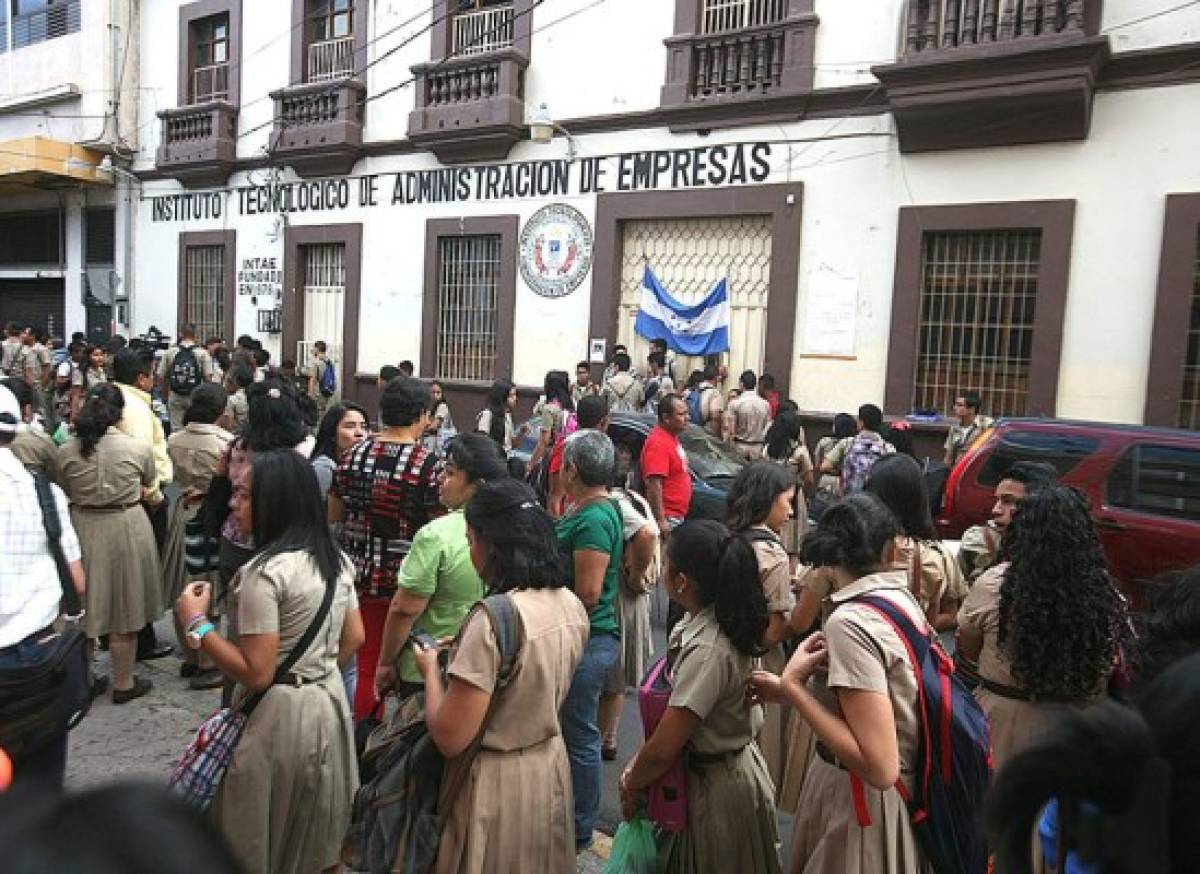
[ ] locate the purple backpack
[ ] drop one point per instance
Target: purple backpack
(859, 460)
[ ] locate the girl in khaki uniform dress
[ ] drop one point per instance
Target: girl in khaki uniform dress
(864, 715)
(760, 505)
(731, 823)
(104, 474)
(515, 810)
(283, 805)
(1046, 625)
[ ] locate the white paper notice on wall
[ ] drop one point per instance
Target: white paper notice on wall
(830, 314)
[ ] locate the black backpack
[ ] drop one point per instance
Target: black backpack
(185, 371)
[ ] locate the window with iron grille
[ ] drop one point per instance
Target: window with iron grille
(210, 59)
(1189, 400)
(204, 291)
(978, 300)
(35, 21)
(468, 284)
(482, 26)
(721, 16)
(329, 52)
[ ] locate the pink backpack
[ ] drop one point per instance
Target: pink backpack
(668, 795)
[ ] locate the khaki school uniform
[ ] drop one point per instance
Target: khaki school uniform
(515, 811)
(120, 558)
(775, 575)
(731, 806)
(866, 654)
(940, 575)
(978, 550)
(284, 803)
(1015, 724)
(194, 453)
(799, 463)
(37, 450)
(747, 418)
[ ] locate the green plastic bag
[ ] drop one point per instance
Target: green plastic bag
(634, 850)
(61, 434)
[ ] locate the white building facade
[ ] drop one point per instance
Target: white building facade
(907, 199)
(68, 128)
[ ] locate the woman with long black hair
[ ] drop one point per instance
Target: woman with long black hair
(556, 404)
(343, 425)
(284, 802)
(105, 474)
(862, 704)
(785, 445)
(1046, 625)
(731, 823)
(495, 419)
(934, 575)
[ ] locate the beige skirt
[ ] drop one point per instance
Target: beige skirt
(731, 820)
(774, 738)
(175, 572)
(515, 812)
(827, 838)
(800, 750)
(120, 559)
(1015, 725)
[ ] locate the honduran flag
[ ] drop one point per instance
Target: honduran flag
(699, 329)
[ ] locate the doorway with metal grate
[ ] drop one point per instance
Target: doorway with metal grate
(689, 256)
(324, 301)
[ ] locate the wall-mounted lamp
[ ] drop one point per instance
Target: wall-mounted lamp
(542, 128)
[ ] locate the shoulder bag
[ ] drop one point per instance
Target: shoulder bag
(203, 764)
(398, 816)
(42, 699)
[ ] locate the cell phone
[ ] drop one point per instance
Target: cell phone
(423, 639)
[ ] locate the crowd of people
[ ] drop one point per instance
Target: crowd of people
(368, 552)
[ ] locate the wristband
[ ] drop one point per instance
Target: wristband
(196, 621)
(196, 637)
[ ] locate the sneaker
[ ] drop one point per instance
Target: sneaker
(140, 687)
(207, 679)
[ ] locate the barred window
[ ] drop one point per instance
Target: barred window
(978, 300)
(1189, 399)
(720, 16)
(468, 285)
(204, 293)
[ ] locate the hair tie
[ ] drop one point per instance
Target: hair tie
(273, 393)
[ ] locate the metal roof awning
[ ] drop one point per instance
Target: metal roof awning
(41, 162)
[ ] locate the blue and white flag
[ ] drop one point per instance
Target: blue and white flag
(699, 329)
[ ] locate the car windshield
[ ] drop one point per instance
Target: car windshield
(710, 459)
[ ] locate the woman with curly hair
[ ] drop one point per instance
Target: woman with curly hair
(1045, 625)
(731, 823)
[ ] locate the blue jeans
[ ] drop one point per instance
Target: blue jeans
(581, 731)
(350, 679)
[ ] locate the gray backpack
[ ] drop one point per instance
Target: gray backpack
(396, 810)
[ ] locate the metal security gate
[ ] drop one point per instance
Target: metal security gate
(37, 302)
(689, 256)
(324, 298)
(204, 293)
(468, 280)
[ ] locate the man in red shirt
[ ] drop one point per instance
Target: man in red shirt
(668, 483)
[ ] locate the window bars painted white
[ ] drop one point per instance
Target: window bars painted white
(1189, 398)
(720, 16)
(210, 83)
(331, 59)
(689, 256)
(978, 302)
(324, 303)
(483, 30)
(204, 292)
(468, 286)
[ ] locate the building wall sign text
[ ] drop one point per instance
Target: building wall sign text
(700, 167)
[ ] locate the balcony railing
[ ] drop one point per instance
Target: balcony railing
(462, 84)
(721, 16)
(947, 24)
(210, 83)
(331, 59)
(49, 23)
(484, 30)
(298, 108)
(196, 124)
(746, 63)
(199, 142)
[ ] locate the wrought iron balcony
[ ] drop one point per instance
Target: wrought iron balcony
(331, 59)
(199, 142)
(484, 30)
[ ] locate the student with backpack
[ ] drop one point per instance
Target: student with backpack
(853, 458)
(558, 422)
(902, 748)
(183, 369)
(706, 407)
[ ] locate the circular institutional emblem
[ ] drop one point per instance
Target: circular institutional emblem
(556, 250)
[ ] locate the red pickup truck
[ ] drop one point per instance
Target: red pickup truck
(1144, 485)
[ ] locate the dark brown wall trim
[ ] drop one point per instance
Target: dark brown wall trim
(504, 226)
(1055, 219)
(358, 28)
(193, 12)
(1149, 68)
(781, 202)
(229, 263)
(1172, 310)
(293, 292)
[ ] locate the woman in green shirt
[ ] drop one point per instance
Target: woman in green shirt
(590, 537)
(438, 584)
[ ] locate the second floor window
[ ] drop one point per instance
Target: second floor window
(210, 59)
(482, 26)
(35, 21)
(720, 16)
(330, 40)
